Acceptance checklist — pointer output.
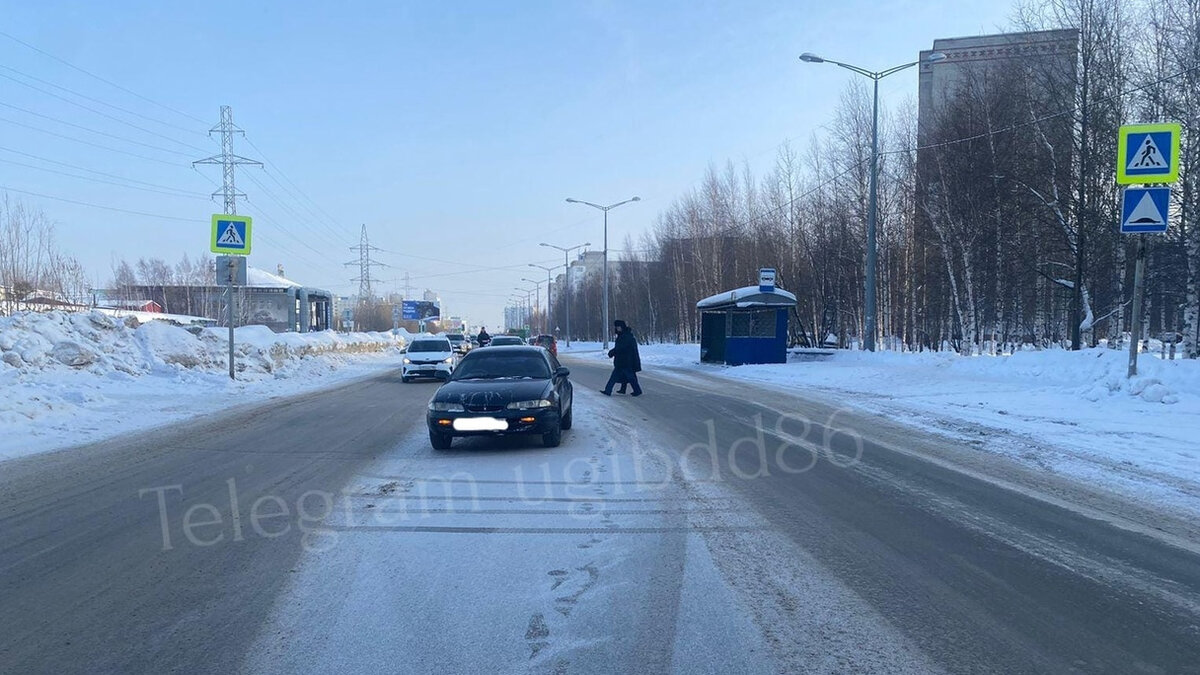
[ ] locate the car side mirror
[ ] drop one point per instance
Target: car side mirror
(562, 372)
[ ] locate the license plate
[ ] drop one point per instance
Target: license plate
(425, 368)
(480, 424)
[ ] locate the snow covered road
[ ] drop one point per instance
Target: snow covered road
(710, 526)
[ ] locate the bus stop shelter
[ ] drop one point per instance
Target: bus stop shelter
(745, 326)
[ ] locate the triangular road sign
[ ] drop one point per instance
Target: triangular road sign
(231, 236)
(1148, 156)
(1145, 210)
(1145, 213)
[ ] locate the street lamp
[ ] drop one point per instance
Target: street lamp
(809, 57)
(549, 304)
(528, 303)
(515, 304)
(605, 209)
(567, 279)
(537, 290)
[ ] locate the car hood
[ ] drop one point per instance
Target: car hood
(491, 393)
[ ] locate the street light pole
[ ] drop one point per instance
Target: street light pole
(529, 292)
(537, 291)
(605, 209)
(872, 199)
(549, 302)
(567, 279)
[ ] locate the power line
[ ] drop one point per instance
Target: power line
(316, 219)
(173, 193)
(291, 234)
(278, 228)
(1014, 127)
(97, 112)
(476, 271)
(98, 173)
(99, 206)
(1021, 125)
(287, 209)
(190, 130)
(101, 79)
(300, 195)
(94, 131)
(80, 140)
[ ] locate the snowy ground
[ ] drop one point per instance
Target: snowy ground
(502, 556)
(1073, 413)
(70, 378)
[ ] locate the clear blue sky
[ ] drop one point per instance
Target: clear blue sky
(452, 130)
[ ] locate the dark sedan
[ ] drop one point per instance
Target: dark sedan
(503, 390)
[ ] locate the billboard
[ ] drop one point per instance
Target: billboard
(419, 310)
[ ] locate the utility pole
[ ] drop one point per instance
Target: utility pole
(228, 161)
(364, 262)
(1139, 290)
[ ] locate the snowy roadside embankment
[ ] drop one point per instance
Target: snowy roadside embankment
(1071, 413)
(68, 378)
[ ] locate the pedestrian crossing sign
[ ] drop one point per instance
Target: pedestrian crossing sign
(1148, 153)
(230, 234)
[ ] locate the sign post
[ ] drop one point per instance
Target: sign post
(231, 239)
(1146, 153)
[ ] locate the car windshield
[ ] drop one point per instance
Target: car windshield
(455, 338)
(506, 340)
(429, 346)
(495, 365)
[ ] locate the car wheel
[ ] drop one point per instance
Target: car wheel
(566, 419)
(440, 441)
(552, 438)
(405, 379)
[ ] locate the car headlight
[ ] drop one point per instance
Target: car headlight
(529, 405)
(439, 406)
(449, 359)
(407, 360)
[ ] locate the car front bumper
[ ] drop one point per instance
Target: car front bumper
(438, 370)
(539, 421)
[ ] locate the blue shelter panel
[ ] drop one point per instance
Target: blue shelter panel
(712, 337)
(745, 325)
(757, 337)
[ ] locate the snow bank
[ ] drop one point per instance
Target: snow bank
(1090, 374)
(1069, 412)
(34, 343)
(72, 377)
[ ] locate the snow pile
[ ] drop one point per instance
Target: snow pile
(74, 377)
(33, 343)
(1069, 412)
(1090, 374)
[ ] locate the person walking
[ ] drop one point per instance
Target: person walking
(483, 338)
(627, 362)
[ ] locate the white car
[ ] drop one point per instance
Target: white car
(428, 356)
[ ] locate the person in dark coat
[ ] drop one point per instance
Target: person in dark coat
(627, 362)
(484, 339)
